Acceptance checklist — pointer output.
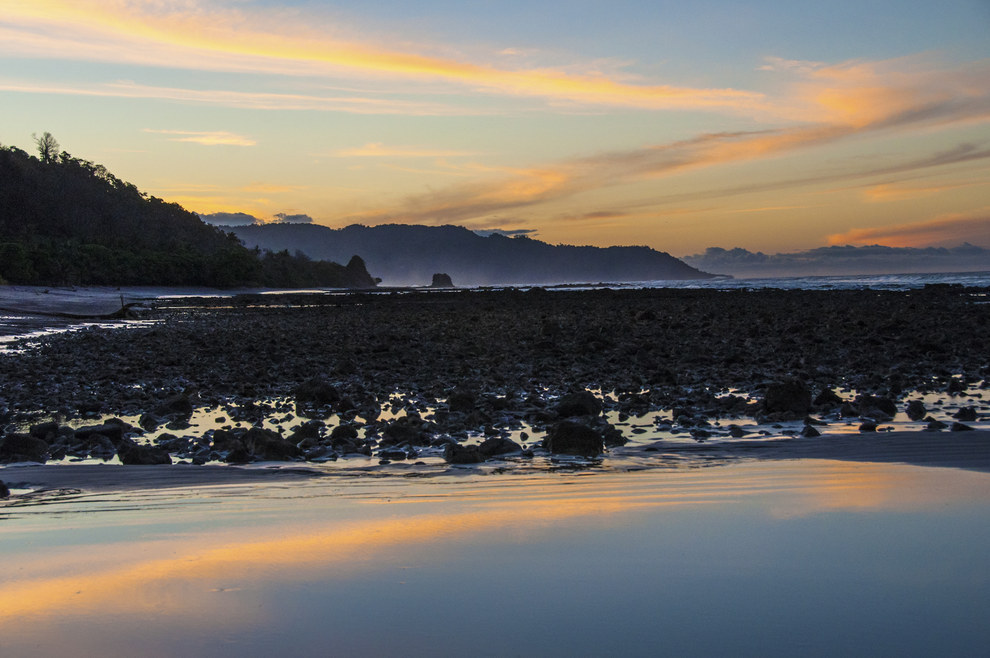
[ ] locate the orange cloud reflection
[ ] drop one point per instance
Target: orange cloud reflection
(298, 537)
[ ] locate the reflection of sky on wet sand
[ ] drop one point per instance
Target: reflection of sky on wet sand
(377, 563)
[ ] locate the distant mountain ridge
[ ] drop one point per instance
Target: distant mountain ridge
(843, 260)
(403, 254)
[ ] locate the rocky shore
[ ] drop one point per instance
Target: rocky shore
(458, 374)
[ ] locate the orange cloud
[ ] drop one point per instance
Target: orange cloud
(214, 138)
(888, 93)
(199, 36)
(379, 150)
(947, 230)
(886, 192)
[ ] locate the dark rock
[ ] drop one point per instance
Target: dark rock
(344, 433)
(442, 281)
(269, 446)
(736, 432)
(572, 438)
(317, 391)
(239, 455)
(915, 410)
(810, 432)
(408, 429)
(956, 386)
(149, 421)
(308, 430)
(876, 407)
(967, 414)
(44, 431)
(132, 454)
(225, 441)
(613, 437)
(934, 425)
(787, 397)
(4, 490)
(498, 446)
(112, 431)
(23, 447)
(827, 398)
(582, 403)
(959, 427)
(90, 407)
(392, 454)
(177, 406)
(848, 410)
(461, 401)
(454, 453)
(868, 426)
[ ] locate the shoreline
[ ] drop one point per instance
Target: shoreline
(969, 451)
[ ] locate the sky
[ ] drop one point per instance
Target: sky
(771, 126)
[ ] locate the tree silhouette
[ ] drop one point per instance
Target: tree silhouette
(47, 147)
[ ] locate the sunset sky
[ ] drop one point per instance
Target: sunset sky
(773, 126)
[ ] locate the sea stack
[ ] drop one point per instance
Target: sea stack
(442, 281)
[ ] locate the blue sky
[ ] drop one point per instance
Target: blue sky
(771, 126)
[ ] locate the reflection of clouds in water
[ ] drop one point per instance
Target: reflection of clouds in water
(870, 487)
(301, 537)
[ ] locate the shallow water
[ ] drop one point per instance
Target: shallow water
(785, 558)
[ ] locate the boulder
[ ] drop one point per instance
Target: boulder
(787, 397)
(177, 406)
(317, 391)
(44, 431)
(967, 414)
(570, 438)
(582, 403)
(308, 430)
(959, 427)
(498, 446)
(454, 453)
(23, 447)
(879, 408)
(827, 398)
(269, 446)
(4, 490)
(461, 401)
(112, 431)
(344, 433)
(132, 454)
(915, 410)
(408, 429)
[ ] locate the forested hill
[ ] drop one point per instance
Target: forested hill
(64, 220)
(410, 255)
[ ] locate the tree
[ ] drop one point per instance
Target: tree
(47, 147)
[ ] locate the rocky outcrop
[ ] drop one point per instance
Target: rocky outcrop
(442, 281)
(571, 438)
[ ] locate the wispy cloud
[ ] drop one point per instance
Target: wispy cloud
(380, 150)
(889, 192)
(208, 138)
(946, 230)
(201, 35)
(243, 100)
